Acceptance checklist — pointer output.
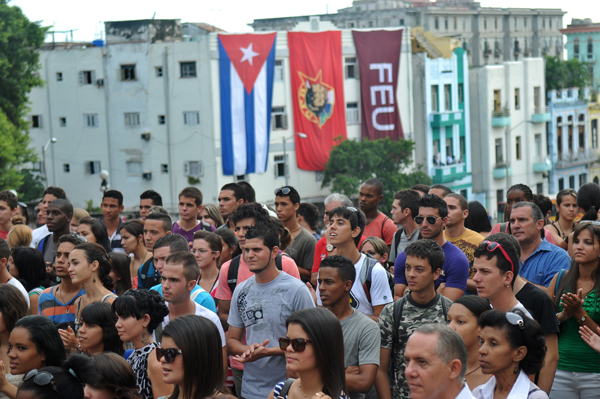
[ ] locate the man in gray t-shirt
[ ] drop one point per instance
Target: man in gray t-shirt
(362, 338)
(302, 250)
(260, 306)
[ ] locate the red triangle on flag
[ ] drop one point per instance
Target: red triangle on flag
(248, 53)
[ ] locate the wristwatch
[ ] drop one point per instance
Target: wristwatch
(329, 247)
(583, 318)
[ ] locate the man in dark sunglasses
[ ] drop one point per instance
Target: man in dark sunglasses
(432, 218)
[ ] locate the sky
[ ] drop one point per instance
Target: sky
(230, 15)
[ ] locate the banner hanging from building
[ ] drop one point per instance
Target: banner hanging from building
(317, 94)
(378, 55)
(246, 70)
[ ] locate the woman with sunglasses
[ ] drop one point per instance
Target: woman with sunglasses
(576, 295)
(104, 376)
(52, 383)
(139, 312)
(191, 358)
(34, 343)
(207, 250)
(463, 318)
(314, 351)
(512, 347)
(97, 331)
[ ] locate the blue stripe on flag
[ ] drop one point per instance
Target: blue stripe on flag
(226, 121)
(270, 75)
(250, 134)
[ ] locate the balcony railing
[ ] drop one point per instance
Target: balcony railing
(540, 115)
(576, 157)
(501, 118)
(448, 173)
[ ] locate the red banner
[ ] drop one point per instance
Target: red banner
(318, 95)
(378, 55)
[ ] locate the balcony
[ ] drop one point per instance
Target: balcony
(500, 171)
(500, 118)
(445, 174)
(440, 119)
(540, 115)
(541, 165)
(578, 157)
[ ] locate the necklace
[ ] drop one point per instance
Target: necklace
(471, 372)
(300, 386)
(298, 229)
(62, 299)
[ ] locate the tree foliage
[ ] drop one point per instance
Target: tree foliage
(20, 40)
(14, 151)
(32, 187)
(352, 162)
(562, 74)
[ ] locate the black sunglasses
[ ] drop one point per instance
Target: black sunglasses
(430, 219)
(515, 320)
(42, 379)
(169, 354)
(283, 190)
(298, 344)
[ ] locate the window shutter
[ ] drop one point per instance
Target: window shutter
(81, 78)
(284, 123)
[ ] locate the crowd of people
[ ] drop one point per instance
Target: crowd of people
(244, 300)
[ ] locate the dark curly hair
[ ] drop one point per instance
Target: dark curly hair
(102, 315)
(250, 211)
(95, 252)
(531, 337)
(137, 303)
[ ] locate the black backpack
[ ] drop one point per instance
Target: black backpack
(366, 276)
(234, 267)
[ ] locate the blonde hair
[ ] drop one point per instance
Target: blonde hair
(378, 245)
(78, 214)
(19, 236)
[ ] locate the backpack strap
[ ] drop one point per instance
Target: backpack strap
(398, 308)
(397, 239)
(232, 273)
(42, 244)
(286, 388)
(278, 262)
(366, 275)
(385, 219)
(206, 226)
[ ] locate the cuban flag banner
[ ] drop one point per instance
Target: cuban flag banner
(246, 70)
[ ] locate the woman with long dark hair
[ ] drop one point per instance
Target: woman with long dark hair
(207, 250)
(52, 383)
(478, 219)
(28, 266)
(120, 272)
(191, 357)
(566, 212)
(132, 239)
(97, 331)
(230, 245)
(139, 312)
(314, 348)
(12, 308)
(576, 295)
(94, 232)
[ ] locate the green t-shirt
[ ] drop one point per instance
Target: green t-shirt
(574, 354)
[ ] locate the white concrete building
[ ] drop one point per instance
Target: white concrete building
(508, 130)
(146, 109)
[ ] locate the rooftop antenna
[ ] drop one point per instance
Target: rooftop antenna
(154, 15)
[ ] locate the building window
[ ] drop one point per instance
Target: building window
(66, 168)
(525, 23)
(537, 91)
(572, 181)
(497, 101)
(559, 129)
(518, 147)
(446, 23)
(590, 46)
(538, 146)
(447, 98)
(561, 184)
(191, 118)
(164, 168)
(86, 77)
(461, 93)
(193, 168)
(582, 179)
(496, 23)
(90, 120)
(499, 196)
(161, 119)
(436, 23)
(36, 121)
(517, 99)
(350, 24)
(351, 68)
(188, 69)
(280, 166)
(499, 152)
(352, 114)
(279, 118)
(570, 133)
(159, 71)
(132, 119)
(59, 76)
(576, 46)
(134, 168)
(62, 121)
(581, 129)
(279, 70)
(434, 98)
(539, 188)
(92, 167)
(128, 72)
(594, 133)
(485, 24)
(455, 26)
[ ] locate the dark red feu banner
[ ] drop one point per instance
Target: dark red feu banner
(318, 95)
(379, 62)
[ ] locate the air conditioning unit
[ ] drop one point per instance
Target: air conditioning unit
(147, 176)
(145, 136)
(100, 82)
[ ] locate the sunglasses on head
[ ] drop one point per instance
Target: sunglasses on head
(282, 190)
(169, 354)
(298, 344)
(492, 245)
(42, 379)
(430, 219)
(515, 320)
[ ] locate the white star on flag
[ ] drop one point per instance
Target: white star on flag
(248, 54)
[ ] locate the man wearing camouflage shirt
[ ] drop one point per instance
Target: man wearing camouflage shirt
(398, 320)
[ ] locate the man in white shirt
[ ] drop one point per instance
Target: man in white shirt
(436, 363)
(5, 277)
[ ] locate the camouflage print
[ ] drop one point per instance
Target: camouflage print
(413, 315)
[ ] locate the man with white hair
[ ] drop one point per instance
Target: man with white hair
(436, 363)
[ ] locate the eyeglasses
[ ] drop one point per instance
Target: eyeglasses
(515, 320)
(430, 219)
(169, 354)
(283, 190)
(298, 344)
(492, 245)
(42, 379)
